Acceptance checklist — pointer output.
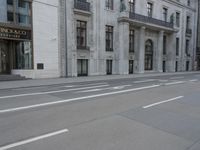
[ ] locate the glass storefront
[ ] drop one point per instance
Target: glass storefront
(15, 55)
(23, 55)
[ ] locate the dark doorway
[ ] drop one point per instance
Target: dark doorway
(82, 66)
(187, 65)
(109, 67)
(4, 58)
(164, 66)
(131, 65)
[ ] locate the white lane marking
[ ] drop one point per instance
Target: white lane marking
(69, 86)
(87, 84)
(169, 100)
(51, 92)
(33, 139)
(163, 80)
(194, 80)
(174, 83)
(149, 80)
(75, 99)
(110, 88)
(177, 78)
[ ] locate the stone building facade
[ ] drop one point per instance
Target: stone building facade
(128, 36)
(64, 38)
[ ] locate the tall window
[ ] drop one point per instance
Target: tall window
(187, 47)
(22, 3)
(164, 45)
(10, 2)
(109, 4)
(131, 41)
(10, 16)
(148, 55)
(165, 12)
(81, 34)
(150, 9)
(177, 19)
(177, 46)
(188, 2)
(132, 5)
(109, 38)
(188, 22)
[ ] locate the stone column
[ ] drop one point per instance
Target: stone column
(171, 53)
(140, 51)
(159, 53)
(123, 47)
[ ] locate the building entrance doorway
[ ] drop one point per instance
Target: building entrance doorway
(82, 66)
(131, 65)
(4, 58)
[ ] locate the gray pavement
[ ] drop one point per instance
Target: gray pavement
(103, 114)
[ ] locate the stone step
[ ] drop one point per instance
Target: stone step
(11, 77)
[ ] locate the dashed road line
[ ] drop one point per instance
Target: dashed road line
(75, 99)
(174, 78)
(174, 83)
(162, 102)
(144, 81)
(92, 84)
(33, 139)
(109, 88)
(51, 92)
(194, 80)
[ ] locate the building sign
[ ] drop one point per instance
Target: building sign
(14, 34)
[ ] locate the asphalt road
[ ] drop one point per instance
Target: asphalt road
(155, 113)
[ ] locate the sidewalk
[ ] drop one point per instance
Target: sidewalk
(56, 81)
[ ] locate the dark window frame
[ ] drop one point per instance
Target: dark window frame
(148, 55)
(9, 2)
(188, 22)
(131, 40)
(81, 34)
(109, 38)
(164, 45)
(109, 4)
(177, 19)
(132, 6)
(131, 66)
(109, 66)
(187, 44)
(9, 16)
(177, 46)
(83, 71)
(165, 14)
(150, 9)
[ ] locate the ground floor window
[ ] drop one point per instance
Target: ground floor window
(108, 67)
(176, 67)
(187, 65)
(82, 67)
(131, 65)
(198, 63)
